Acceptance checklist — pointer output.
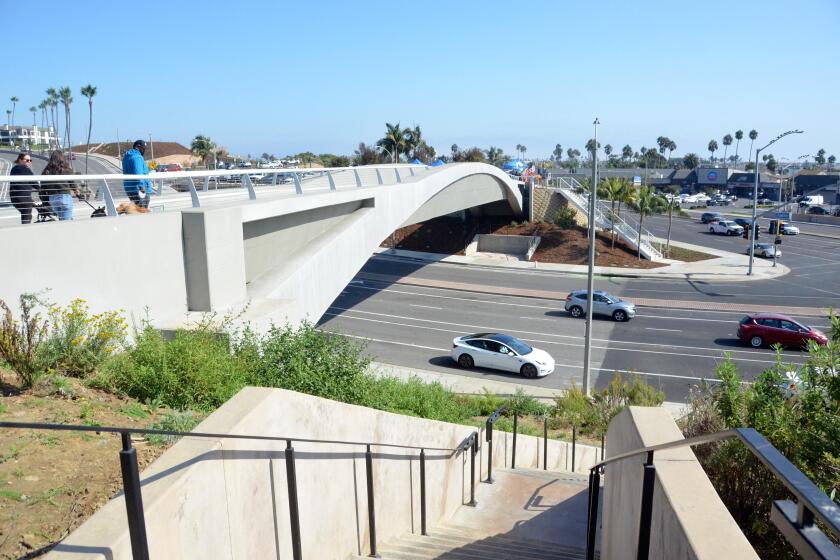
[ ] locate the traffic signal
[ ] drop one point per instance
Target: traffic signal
(746, 234)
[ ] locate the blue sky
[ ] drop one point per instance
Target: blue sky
(283, 77)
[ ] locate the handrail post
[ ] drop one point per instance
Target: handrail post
(574, 444)
(110, 207)
(489, 439)
(133, 499)
(647, 508)
(545, 442)
(603, 441)
(358, 179)
(294, 513)
(331, 180)
(473, 449)
(592, 519)
(397, 173)
(298, 186)
(371, 511)
(423, 492)
(513, 453)
(378, 176)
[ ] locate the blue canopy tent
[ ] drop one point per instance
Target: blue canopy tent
(514, 165)
(416, 161)
(437, 163)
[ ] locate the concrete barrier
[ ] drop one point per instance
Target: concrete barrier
(689, 520)
(229, 498)
(815, 219)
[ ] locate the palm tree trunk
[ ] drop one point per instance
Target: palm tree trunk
(90, 127)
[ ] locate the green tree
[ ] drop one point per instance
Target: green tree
(9, 119)
(713, 146)
(753, 136)
(771, 164)
(671, 147)
(670, 204)
(455, 151)
(413, 140)
(496, 156)
(727, 141)
(52, 102)
(14, 101)
(572, 155)
(608, 149)
(395, 140)
(626, 152)
(519, 151)
(558, 153)
(202, 147)
(831, 161)
(365, 155)
(34, 111)
(43, 107)
(88, 91)
(663, 142)
(524, 149)
(614, 189)
(646, 202)
(691, 161)
(819, 159)
(66, 95)
(739, 135)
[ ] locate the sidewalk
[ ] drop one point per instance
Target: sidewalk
(728, 267)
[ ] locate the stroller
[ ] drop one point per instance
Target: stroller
(45, 211)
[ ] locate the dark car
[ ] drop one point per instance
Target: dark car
(765, 201)
(766, 329)
(836, 212)
(708, 217)
(819, 210)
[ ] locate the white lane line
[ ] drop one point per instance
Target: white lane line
(780, 296)
(425, 306)
(556, 365)
(669, 330)
(556, 343)
(538, 319)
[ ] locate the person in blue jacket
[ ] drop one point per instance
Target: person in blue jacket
(138, 190)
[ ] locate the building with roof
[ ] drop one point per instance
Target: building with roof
(827, 185)
(742, 183)
(27, 136)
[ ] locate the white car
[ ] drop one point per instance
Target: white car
(788, 229)
(765, 250)
(501, 351)
(725, 227)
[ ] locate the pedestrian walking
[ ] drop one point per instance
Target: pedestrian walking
(133, 163)
(61, 192)
(21, 193)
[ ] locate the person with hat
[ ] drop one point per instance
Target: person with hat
(133, 163)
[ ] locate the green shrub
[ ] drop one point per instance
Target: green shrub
(21, 342)
(79, 342)
(196, 369)
(565, 218)
(174, 421)
(417, 398)
(524, 405)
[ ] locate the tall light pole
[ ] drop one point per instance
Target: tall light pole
(387, 151)
(590, 277)
(755, 195)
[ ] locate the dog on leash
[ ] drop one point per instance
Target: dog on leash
(131, 208)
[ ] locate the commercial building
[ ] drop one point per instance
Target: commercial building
(742, 184)
(827, 185)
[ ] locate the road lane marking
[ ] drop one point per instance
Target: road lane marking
(426, 306)
(557, 343)
(556, 365)
(669, 330)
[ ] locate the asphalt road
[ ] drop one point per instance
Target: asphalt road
(414, 325)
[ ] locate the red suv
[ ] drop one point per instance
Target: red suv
(771, 328)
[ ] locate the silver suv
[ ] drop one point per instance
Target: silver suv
(603, 303)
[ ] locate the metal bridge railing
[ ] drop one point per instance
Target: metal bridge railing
(194, 188)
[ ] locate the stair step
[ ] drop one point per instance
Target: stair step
(464, 535)
(562, 476)
(489, 547)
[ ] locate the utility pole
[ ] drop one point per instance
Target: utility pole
(590, 278)
(152, 146)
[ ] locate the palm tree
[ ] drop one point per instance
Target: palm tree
(519, 151)
(88, 91)
(713, 146)
(495, 155)
(831, 160)
(671, 147)
(613, 188)
(9, 120)
(414, 138)
(524, 149)
(558, 153)
(739, 134)
(663, 142)
(608, 150)
(43, 106)
(34, 111)
(14, 101)
(395, 140)
(591, 148)
(691, 160)
(670, 204)
(646, 202)
(203, 148)
(819, 159)
(66, 95)
(727, 141)
(753, 136)
(626, 152)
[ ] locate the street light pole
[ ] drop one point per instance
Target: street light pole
(590, 278)
(753, 225)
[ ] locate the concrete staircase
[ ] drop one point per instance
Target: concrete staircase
(524, 515)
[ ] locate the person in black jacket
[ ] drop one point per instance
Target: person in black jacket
(21, 193)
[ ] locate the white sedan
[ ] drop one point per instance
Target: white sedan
(725, 227)
(788, 229)
(501, 351)
(765, 250)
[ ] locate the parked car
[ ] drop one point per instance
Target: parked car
(709, 217)
(765, 250)
(501, 351)
(818, 210)
(725, 227)
(762, 329)
(786, 228)
(603, 303)
(765, 201)
(836, 212)
(743, 222)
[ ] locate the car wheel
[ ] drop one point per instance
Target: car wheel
(528, 370)
(711, 230)
(756, 342)
(576, 311)
(620, 315)
(465, 361)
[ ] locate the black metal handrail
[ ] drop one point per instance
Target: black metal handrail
(794, 520)
(133, 493)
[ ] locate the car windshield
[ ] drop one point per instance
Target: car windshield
(518, 346)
